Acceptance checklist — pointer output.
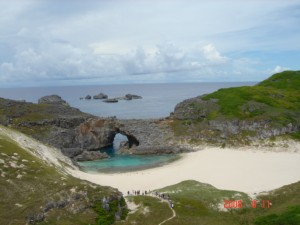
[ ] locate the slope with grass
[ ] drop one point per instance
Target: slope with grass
(242, 114)
(35, 192)
(197, 203)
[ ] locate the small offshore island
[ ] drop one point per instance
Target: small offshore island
(256, 130)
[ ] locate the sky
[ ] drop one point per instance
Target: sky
(74, 42)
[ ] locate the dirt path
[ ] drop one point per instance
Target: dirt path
(173, 216)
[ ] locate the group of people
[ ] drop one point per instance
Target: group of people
(162, 196)
(138, 192)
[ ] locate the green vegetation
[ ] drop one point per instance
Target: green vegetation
(29, 188)
(271, 104)
(277, 98)
(198, 204)
(289, 217)
(107, 217)
(28, 117)
(295, 135)
(149, 211)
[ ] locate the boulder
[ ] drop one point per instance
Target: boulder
(100, 96)
(72, 152)
(52, 99)
(130, 97)
(88, 97)
(111, 100)
(91, 156)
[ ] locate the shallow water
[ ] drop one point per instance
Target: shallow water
(118, 163)
(126, 163)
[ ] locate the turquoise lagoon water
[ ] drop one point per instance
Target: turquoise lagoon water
(125, 163)
(118, 163)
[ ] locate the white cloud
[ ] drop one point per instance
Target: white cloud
(129, 41)
(211, 53)
(279, 69)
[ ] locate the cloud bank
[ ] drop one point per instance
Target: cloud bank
(107, 42)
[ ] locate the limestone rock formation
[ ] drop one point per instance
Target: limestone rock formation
(195, 108)
(95, 134)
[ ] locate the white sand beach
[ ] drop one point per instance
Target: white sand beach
(247, 169)
(250, 171)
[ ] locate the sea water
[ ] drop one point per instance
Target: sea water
(158, 101)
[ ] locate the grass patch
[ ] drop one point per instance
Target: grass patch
(295, 135)
(279, 94)
(150, 211)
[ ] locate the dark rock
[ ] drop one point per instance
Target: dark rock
(195, 108)
(95, 134)
(91, 156)
(35, 218)
(254, 107)
(88, 97)
(100, 96)
(52, 99)
(131, 96)
(72, 152)
(111, 100)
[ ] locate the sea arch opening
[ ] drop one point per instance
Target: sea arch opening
(124, 140)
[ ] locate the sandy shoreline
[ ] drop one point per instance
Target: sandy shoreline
(249, 171)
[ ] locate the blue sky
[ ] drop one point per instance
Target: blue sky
(75, 42)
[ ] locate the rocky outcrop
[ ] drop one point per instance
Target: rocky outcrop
(195, 108)
(131, 96)
(95, 133)
(88, 97)
(91, 156)
(52, 99)
(149, 137)
(100, 96)
(111, 100)
(196, 120)
(144, 136)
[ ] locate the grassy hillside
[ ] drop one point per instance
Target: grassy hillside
(150, 211)
(31, 190)
(241, 114)
(277, 98)
(199, 204)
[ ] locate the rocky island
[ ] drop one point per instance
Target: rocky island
(105, 98)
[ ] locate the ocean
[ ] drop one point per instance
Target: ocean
(158, 101)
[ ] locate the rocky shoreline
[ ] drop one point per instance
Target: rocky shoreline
(80, 135)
